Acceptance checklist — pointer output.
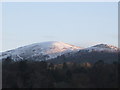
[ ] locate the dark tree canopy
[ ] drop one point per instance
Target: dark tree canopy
(26, 74)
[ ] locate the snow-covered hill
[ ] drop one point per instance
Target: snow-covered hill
(103, 47)
(104, 52)
(51, 49)
(46, 50)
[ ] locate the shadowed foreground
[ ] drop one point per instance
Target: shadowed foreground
(28, 74)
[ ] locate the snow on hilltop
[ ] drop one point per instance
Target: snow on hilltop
(103, 47)
(51, 48)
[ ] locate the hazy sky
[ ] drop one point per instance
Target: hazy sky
(81, 24)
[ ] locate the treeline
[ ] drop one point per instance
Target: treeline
(85, 56)
(29, 74)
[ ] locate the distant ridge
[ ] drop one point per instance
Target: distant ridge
(51, 49)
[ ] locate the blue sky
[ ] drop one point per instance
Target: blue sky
(81, 24)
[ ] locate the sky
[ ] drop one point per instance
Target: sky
(78, 23)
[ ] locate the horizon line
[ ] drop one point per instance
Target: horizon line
(56, 41)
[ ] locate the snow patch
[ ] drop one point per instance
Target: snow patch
(51, 48)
